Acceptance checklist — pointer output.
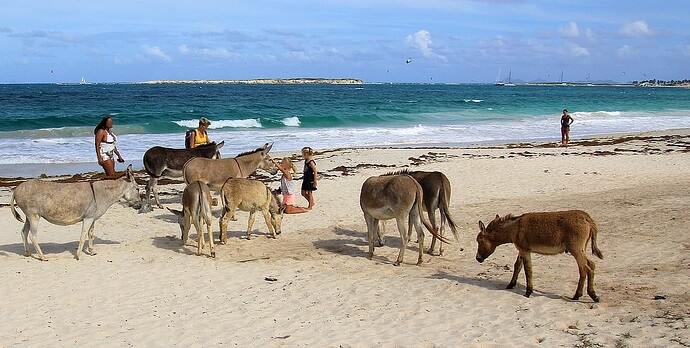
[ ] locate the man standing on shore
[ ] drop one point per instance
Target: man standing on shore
(566, 121)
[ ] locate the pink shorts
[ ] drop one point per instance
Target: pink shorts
(289, 199)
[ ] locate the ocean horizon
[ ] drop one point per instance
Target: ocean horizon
(49, 124)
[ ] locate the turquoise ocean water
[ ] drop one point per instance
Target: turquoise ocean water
(49, 123)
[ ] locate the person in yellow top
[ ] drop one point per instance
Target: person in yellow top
(200, 136)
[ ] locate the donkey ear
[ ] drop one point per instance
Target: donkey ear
(130, 173)
(497, 217)
(267, 147)
(482, 228)
(220, 144)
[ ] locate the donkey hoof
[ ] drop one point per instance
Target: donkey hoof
(576, 297)
(213, 254)
(528, 292)
(396, 263)
(510, 286)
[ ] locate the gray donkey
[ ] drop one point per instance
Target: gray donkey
(196, 209)
(68, 203)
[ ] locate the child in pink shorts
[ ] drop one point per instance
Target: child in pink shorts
(287, 187)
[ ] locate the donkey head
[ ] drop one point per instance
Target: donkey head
(131, 191)
(485, 244)
(266, 162)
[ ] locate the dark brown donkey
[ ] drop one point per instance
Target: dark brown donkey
(163, 161)
(547, 233)
(436, 189)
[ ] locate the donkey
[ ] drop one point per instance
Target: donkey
(68, 203)
(163, 161)
(547, 233)
(394, 196)
(436, 188)
(214, 172)
(196, 209)
(250, 195)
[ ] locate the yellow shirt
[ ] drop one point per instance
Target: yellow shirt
(200, 138)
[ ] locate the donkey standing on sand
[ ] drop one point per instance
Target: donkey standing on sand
(547, 233)
(436, 188)
(214, 172)
(68, 203)
(250, 195)
(163, 161)
(196, 209)
(394, 196)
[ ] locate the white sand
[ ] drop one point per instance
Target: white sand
(143, 289)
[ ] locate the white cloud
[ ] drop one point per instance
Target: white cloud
(636, 29)
(579, 51)
(421, 40)
(625, 51)
(183, 49)
(571, 30)
(156, 52)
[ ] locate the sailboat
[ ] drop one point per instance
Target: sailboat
(83, 81)
(510, 73)
(501, 83)
(498, 81)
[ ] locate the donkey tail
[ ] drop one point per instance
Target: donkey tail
(445, 212)
(593, 231)
(419, 200)
(14, 210)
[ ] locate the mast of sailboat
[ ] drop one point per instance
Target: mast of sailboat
(561, 76)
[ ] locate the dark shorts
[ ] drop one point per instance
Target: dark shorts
(308, 186)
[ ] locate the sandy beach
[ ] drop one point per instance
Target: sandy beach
(313, 286)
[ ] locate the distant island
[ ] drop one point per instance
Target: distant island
(294, 81)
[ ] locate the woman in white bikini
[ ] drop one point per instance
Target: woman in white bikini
(105, 145)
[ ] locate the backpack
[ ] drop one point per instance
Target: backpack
(188, 138)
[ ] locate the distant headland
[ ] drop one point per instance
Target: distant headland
(293, 81)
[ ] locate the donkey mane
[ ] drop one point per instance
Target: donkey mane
(504, 219)
(397, 172)
(250, 152)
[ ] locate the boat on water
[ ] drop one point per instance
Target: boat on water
(503, 83)
(83, 81)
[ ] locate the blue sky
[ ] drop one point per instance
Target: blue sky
(448, 41)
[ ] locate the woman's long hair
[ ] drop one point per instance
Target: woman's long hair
(102, 124)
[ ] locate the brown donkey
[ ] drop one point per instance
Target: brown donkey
(547, 233)
(394, 196)
(436, 188)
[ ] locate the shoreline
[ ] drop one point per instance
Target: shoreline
(87, 169)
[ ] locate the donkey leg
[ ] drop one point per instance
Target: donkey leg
(582, 268)
(527, 262)
(84, 234)
(372, 232)
(403, 240)
(517, 267)
(152, 187)
(590, 281)
(432, 219)
(200, 239)
(25, 235)
(90, 237)
(381, 234)
(211, 247)
(33, 233)
(223, 225)
(250, 223)
(269, 224)
(420, 240)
